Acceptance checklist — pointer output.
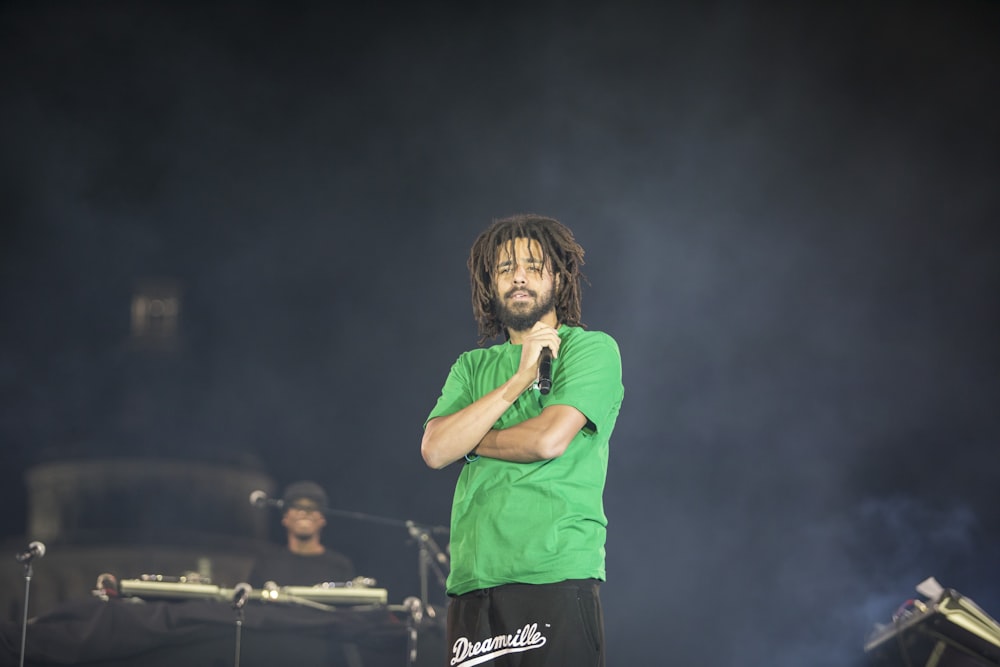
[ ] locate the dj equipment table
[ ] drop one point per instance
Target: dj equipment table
(123, 632)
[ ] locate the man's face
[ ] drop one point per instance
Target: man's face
(524, 286)
(303, 519)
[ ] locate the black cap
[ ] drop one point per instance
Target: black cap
(304, 490)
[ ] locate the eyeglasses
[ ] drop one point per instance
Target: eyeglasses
(308, 509)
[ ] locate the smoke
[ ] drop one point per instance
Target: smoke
(788, 218)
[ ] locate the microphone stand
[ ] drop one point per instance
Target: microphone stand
(239, 636)
(431, 556)
(28, 572)
(416, 615)
(430, 553)
(238, 604)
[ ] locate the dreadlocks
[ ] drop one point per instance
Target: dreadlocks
(562, 255)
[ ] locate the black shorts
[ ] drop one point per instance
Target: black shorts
(524, 625)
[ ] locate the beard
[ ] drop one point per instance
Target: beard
(523, 316)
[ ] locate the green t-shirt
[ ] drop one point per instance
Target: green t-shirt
(539, 522)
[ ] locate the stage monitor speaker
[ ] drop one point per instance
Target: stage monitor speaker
(947, 631)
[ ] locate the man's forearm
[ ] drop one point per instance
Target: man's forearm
(449, 438)
(540, 438)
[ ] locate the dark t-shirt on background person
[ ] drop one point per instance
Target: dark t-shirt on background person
(288, 569)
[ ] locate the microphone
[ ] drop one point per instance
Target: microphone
(241, 594)
(35, 550)
(545, 371)
(259, 498)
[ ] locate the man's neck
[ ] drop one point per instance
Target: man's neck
(549, 319)
(308, 547)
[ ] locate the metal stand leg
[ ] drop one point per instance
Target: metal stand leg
(24, 620)
(240, 597)
(431, 556)
(416, 609)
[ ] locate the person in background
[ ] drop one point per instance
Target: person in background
(305, 560)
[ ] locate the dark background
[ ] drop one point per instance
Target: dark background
(789, 213)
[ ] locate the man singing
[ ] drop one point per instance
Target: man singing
(528, 525)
